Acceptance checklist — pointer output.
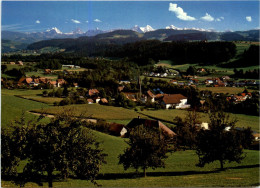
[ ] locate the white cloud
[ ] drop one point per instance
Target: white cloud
(207, 18)
(218, 19)
(97, 20)
(249, 18)
(180, 13)
(222, 18)
(37, 21)
(87, 21)
(75, 21)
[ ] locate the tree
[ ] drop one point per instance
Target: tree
(64, 145)
(3, 68)
(148, 148)
(218, 143)
(186, 129)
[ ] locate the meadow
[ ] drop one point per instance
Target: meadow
(180, 170)
(229, 90)
(169, 115)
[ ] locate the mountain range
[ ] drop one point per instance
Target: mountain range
(170, 33)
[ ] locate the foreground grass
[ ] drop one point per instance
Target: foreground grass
(180, 168)
(180, 171)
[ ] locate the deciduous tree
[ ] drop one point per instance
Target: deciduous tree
(222, 142)
(147, 149)
(64, 145)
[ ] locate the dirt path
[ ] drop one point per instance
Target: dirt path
(51, 116)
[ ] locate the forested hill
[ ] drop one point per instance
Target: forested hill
(95, 45)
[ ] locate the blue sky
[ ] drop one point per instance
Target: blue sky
(32, 16)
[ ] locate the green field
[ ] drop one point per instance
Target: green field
(180, 168)
(169, 115)
(229, 90)
(12, 108)
(180, 171)
(96, 111)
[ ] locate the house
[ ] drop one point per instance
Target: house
(120, 88)
(225, 78)
(131, 96)
(47, 71)
(117, 129)
(124, 82)
(256, 136)
(175, 82)
(69, 66)
(90, 101)
(53, 83)
(150, 96)
(200, 70)
(209, 81)
(75, 85)
(92, 92)
(150, 123)
(12, 63)
(177, 101)
(97, 99)
(103, 101)
(60, 82)
(20, 63)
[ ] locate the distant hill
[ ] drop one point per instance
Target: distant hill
(11, 46)
(193, 36)
(94, 38)
(91, 45)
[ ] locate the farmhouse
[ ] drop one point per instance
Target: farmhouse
(150, 123)
(175, 101)
(130, 96)
(150, 96)
(92, 92)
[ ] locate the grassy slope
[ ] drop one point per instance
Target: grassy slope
(180, 171)
(230, 90)
(12, 107)
(169, 115)
(180, 167)
(97, 111)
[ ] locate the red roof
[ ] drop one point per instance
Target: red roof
(28, 80)
(173, 98)
(93, 92)
(151, 94)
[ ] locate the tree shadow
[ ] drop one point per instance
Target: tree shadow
(114, 176)
(244, 166)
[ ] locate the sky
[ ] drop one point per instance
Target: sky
(35, 16)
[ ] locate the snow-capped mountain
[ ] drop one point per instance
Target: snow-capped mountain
(136, 28)
(173, 27)
(77, 31)
(185, 28)
(147, 28)
(54, 30)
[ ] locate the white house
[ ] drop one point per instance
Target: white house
(177, 101)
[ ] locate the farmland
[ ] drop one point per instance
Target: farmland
(180, 168)
(180, 171)
(105, 76)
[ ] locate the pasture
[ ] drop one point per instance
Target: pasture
(96, 111)
(229, 90)
(169, 115)
(180, 171)
(180, 168)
